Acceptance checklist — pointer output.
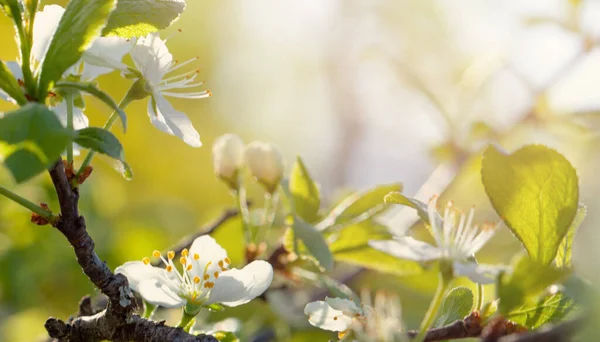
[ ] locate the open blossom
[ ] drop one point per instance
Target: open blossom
(457, 240)
(334, 314)
(265, 163)
(154, 62)
(205, 278)
(228, 157)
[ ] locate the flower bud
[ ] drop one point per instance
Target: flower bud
(228, 158)
(265, 163)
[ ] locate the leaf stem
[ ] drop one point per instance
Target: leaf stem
(479, 297)
(69, 99)
(240, 198)
(28, 204)
(445, 279)
(24, 46)
(127, 99)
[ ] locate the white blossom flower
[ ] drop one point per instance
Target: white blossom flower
(205, 278)
(228, 157)
(379, 322)
(154, 62)
(265, 163)
(334, 314)
(457, 240)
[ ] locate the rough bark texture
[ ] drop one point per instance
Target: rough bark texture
(117, 322)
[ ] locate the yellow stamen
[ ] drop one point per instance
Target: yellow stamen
(185, 252)
(196, 280)
(169, 268)
(189, 267)
(216, 275)
(146, 260)
(220, 263)
(206, 276)
(156, 254)
(183, 260)
(227, 260)
(171, 255)
(196, 256)
(209, 285)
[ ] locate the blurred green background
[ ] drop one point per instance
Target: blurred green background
(367, 92)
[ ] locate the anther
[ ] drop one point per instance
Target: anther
(196, 256)
(183, 260)
(220, 263)
(206, 276)
(216, 275)
(169, 268)
(189, 267)
(146, 260)
(171, 255)
(185, 252)
(156, 254)
(196, 280)
(227, 260)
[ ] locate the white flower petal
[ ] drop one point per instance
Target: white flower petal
(79, 119)
(345, 305)
(137, 271)
(105, 55)
(152, 58)
(323, 316)
(236, 287)
(157, 291)
(208, 250)
(44, 27)
(171, 121)
(482, 274)
(407, 248)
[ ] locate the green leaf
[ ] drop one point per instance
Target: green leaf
(528, 278)
(313, 240)
(457, 305)
(225, 336)
(9, 84)
(36, 138)
(81, 23)
(100, 140)
(547, 309)
(305, 193)
(352, 246)
(421, 208)
(91, 89)
(359, 206)
(535, 191)
(563, 257)
(135, 18)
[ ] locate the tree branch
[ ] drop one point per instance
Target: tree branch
(211, 228)
(117, 321)
(562, 332)
(470, 326)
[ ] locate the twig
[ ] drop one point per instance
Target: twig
(211, 228)
(470, 326)
(562, 332)
(117, 322)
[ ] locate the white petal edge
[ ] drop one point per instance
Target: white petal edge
(45, 24)
(323, 316)
(156, 291)
(408, 248)
(137, 271)
(209, 251)
(169, 120)
(482, 274)
(345, 305)
(236, 287)
(151, 57)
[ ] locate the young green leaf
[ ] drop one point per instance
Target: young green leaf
(136, 18)
(91, 89)
(563, 257)
(535, 191)
(9, 84)
(528, 278)
(226, 336)
(397, 197)
(81, 23)
(547, 309)
(352, 247)
(457, 305)
(100, 140)
(359, 205)
(305, 192)
(36, 139)
(313, 240)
